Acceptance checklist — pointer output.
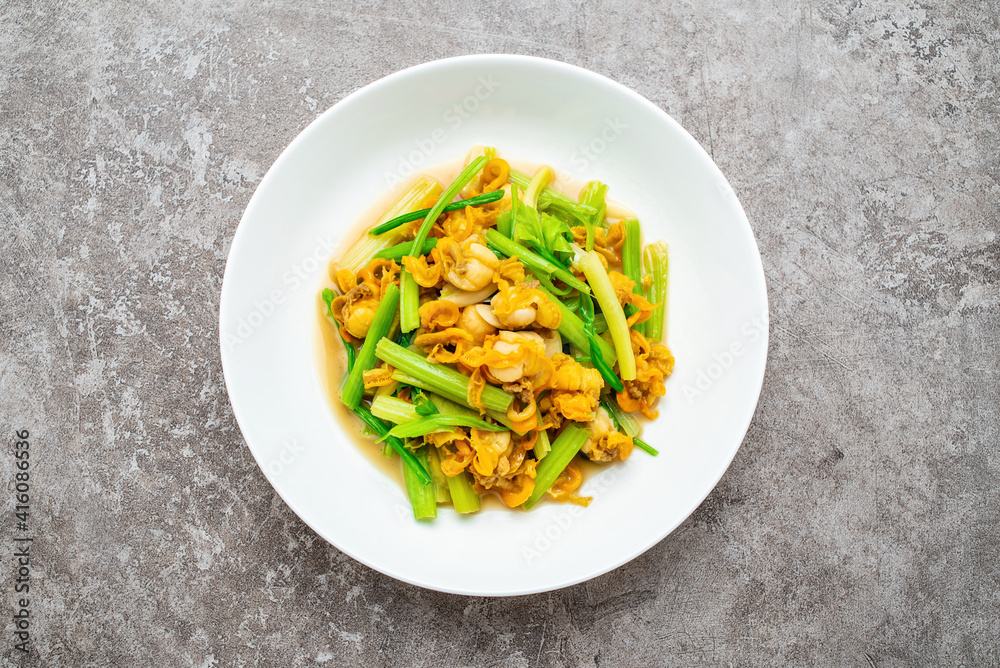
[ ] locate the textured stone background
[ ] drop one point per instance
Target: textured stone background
(857, 526)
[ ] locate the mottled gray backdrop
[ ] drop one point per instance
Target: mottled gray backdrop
(858, 526)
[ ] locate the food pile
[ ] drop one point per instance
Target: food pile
(496, 329)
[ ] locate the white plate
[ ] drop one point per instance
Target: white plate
(536, 110)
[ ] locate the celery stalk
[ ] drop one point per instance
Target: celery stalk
(478, 200)
(394, 410)
(442, 380)
(604, 292)
(409, 302)
(441, 493)
(362, 252)
(328, 297)
(354, 386)
(593, 195)
(550, 198)
(643, 445)
(564, 448)
(625, 422)
(534, 261)
(448, 406)
(506, 220)
(657, 261)
(540, 180)
(397, 252)
(446, 197)
(463, 496)
(376, 425)
(596, 357)
(421, 493)
(600, 324)
(542, 445)
(632, 263)
(435, 424)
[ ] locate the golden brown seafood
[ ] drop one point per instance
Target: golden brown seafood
(380, 272)
(378, 377)
(425, 273)
(444, 347)
(454, 449)
(565, 486)
(576, 390)
(607, 242)
(489, 447)
(513, 477)
(356, 309)
(605, 443)
(438, 314)
(469, 265)
(654, 364)
(472, 322)
(524, 305)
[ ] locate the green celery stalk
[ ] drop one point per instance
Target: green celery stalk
(625, 422)
(440, 480)
(485, 198)
(438, 423)
(542, 445)
(506, 220)
(328, 297)
(397, 252)
(448, 405)
(409, 303)
(596, 357)
(539, 181)
(550, 198)
(354, 386)
(449, 194)
(440, 379)
(421, 493)
(361, 253)
(534, 261)
(593, 195)
(564, 448)
(632, 263)
(657, 261)
(643, 445)
(376, 425)
(394, 329)
(600, 323)
(394, 410)
(463, 495)
(573, 330)
(597, 276)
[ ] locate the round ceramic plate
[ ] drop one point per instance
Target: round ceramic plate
(533, 110)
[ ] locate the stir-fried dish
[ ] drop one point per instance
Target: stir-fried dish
(496, 330)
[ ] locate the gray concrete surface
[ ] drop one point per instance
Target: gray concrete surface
(858, 526)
